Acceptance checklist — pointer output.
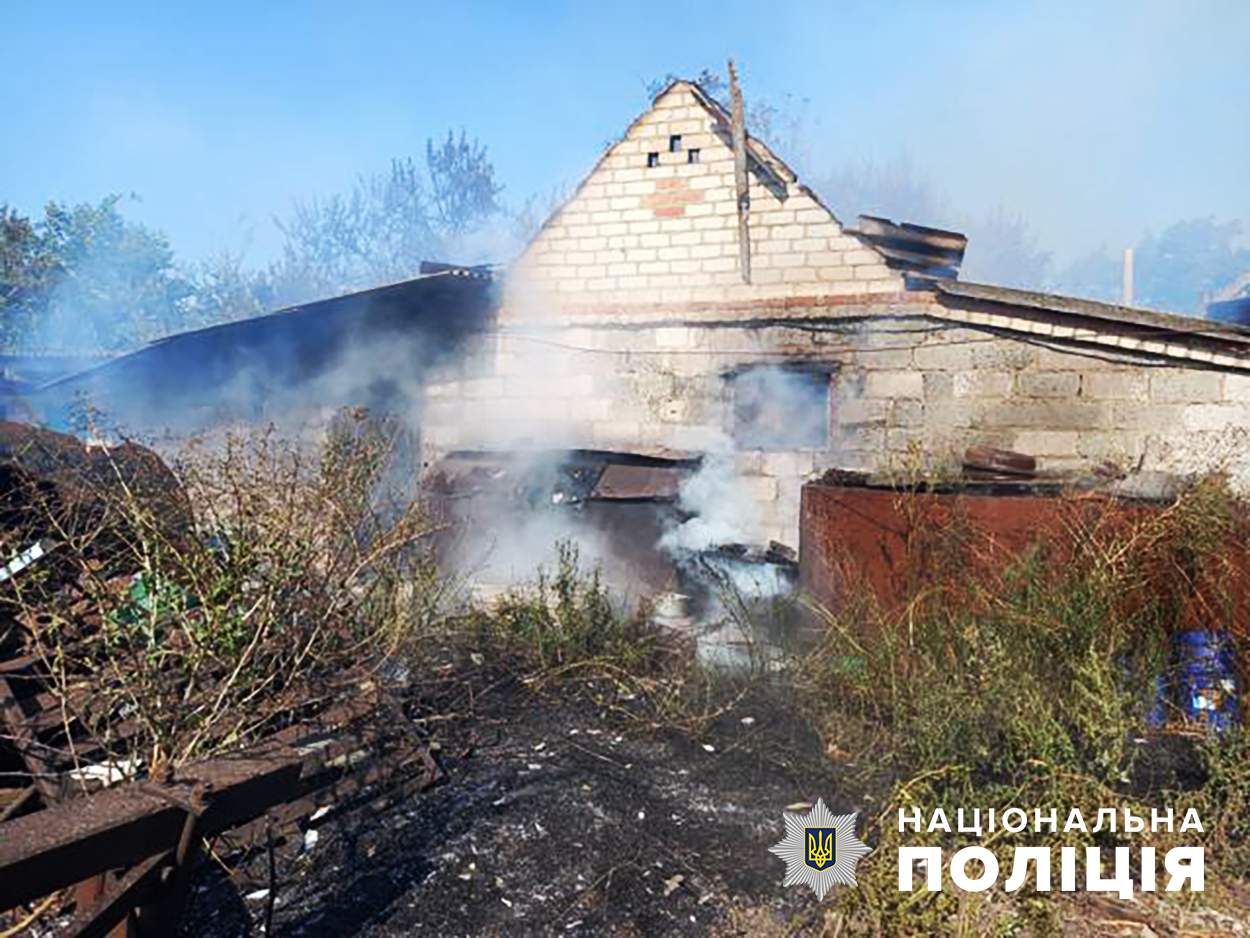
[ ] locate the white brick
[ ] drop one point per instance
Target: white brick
(773, 246)
(1183, 386)
(1115, 387)
(1237, 389)
(819, 258)
(1047, 443)
(894, 384)
(673, 337)
(710, 181)
(1213, 417)
(773, 219)
(836, 273)
(857, 258)
(983, 384)
(760, 488)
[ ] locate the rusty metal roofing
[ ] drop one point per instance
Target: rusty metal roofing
(630, 483)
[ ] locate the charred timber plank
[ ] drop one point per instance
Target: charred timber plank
(875, 227)
(66, 844)
(36, 759)
(111, 909)
(920, 258)
(17, 664)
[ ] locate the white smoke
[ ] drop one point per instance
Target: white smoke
(720, 505)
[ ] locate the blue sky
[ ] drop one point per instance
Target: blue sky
(1093, 120)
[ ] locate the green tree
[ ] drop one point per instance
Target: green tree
(20, 274)
(1179, 270)
(381, 230)
(113, 283)
(1002, 250)
(84, 277)
(463, 191)
(1097, 276)
(1187, 263)
(225, 290)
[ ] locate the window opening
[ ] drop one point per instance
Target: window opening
(780, 408)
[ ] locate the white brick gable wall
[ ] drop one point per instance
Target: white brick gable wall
(669, 233)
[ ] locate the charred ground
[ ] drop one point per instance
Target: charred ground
(560, 811)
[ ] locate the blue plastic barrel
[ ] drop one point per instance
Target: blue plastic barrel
(1206, 678)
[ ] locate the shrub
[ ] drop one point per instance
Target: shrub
(1026, 686)
(291, 578)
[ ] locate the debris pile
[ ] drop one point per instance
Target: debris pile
(143, 655)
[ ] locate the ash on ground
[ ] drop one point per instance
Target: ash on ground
(556, 815)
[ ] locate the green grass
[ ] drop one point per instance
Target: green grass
(1026, 687)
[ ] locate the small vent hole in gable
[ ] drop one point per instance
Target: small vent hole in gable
(692, 156)
(674, 143)
(653, 160)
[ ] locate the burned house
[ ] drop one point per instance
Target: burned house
(659, 310)
(693, 300)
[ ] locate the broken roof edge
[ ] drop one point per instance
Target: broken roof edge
(1146, 319)
(381, 290)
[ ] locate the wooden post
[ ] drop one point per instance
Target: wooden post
(1128, 276)
(741, 182)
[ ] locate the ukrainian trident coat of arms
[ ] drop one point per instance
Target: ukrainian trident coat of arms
(820, 849)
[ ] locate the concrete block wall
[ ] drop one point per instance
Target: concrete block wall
(1069, 408)
(917, 386)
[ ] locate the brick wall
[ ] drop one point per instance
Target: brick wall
(637, 233)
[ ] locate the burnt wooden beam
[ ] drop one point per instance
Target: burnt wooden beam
(741, 179)
(68, 843)
(112, 909)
